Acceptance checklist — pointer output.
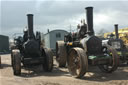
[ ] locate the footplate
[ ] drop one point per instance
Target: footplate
(38, 60)
(99, 60)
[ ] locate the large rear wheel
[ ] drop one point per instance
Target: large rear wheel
(48, 62)
(11, 58)
(77, 62)
(109, 68)
(61, 54)
(0, 61)
(16, 62)
(12, 48)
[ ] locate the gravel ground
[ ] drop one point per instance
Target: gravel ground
(59, 76)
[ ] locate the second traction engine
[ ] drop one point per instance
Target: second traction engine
(84, 48)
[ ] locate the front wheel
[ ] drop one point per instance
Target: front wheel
(77, 62)
(109, 68)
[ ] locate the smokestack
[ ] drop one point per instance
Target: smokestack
(116, 31)
(30, 26)
(89, 15)
(48, 30)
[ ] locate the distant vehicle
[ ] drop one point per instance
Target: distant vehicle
(118, 44)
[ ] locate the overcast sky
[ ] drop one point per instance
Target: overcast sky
(57, 14)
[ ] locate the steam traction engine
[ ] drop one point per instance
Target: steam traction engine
(28, 50)
(83, 49)
(118, 45)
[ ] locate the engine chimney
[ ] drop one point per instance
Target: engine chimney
(116, 31)
(89, 15)
(30, 26)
